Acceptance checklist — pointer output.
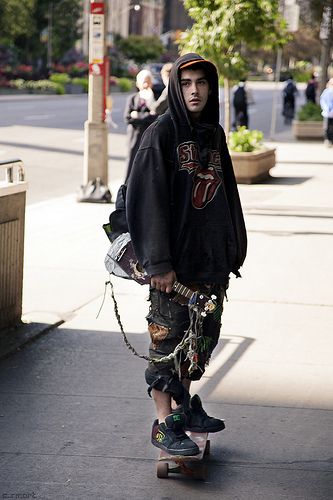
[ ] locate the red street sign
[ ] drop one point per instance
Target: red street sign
(97, 8)
(96, 69)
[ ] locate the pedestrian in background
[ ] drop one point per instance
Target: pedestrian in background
(289, 94)
(138, 114)
(326, 103)
(240, 106)
(161, 105)
(311, 89)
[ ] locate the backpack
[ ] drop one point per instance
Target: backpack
(239, 97)
(117, 220)
(289, 90)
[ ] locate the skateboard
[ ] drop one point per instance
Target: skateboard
(187, 465)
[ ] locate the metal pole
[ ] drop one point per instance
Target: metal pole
(96, 131)
(275, 93)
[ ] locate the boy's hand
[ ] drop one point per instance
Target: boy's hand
(163, 282)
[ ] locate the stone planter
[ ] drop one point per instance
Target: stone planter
(12, 220)
(308, 130)
(253, 167)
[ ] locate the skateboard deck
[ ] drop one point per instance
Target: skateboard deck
(188, 465)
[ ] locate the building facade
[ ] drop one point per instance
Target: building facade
(130, 17)
(163, 18)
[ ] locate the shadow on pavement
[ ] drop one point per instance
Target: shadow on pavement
(54, 150)
(286, 181)
(76, 420)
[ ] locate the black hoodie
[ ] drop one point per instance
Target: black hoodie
(183, 207)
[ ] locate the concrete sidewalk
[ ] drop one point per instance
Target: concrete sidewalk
(75, 416)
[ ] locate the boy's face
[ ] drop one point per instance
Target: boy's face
(195, 89)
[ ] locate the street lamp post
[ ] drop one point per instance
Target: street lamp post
(95, 176)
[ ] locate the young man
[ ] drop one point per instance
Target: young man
(186, 224)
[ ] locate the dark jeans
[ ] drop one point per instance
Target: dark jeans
(329, 130)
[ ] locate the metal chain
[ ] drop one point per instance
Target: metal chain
(188, 344)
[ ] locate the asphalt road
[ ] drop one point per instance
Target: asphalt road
(70, 111)
(47, 133)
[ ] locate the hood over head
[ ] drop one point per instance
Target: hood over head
(177, 107)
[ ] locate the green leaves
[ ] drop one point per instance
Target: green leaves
(244, 140)
(222, 27)
(66, 30)
(16, 18)
(141, 48)
(22, 21)
(310, 112)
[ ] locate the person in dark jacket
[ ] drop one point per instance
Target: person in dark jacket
(186, 223)
(289, 95)
(311, 89)
(138, 114)
(240, 106)
(161, 105)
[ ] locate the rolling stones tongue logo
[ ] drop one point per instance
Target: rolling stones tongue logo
(205, 185)
(206, 180)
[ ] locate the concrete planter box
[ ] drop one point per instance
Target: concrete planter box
(308, 130)
(253, 167)
(12, 219)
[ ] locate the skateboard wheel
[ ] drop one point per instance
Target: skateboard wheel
(207, 448)
(162, 469)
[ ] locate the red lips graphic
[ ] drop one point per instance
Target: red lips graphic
(205, 185)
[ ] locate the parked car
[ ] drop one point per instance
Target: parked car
(158, 85)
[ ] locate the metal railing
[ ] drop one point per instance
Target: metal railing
(10, 166)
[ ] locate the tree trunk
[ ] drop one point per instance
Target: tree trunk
(226, 107)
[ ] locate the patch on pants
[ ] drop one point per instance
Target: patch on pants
(158, 333)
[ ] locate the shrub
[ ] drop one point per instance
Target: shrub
(309, 112)
(125, 84)
(61, 78)
(81, 81)
(39, 85)
(244, 140)
(17, 84)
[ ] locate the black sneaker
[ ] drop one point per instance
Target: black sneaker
(170, 436)
(197, 419)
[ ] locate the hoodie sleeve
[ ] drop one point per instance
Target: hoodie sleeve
(148, 204)
(234, 204)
